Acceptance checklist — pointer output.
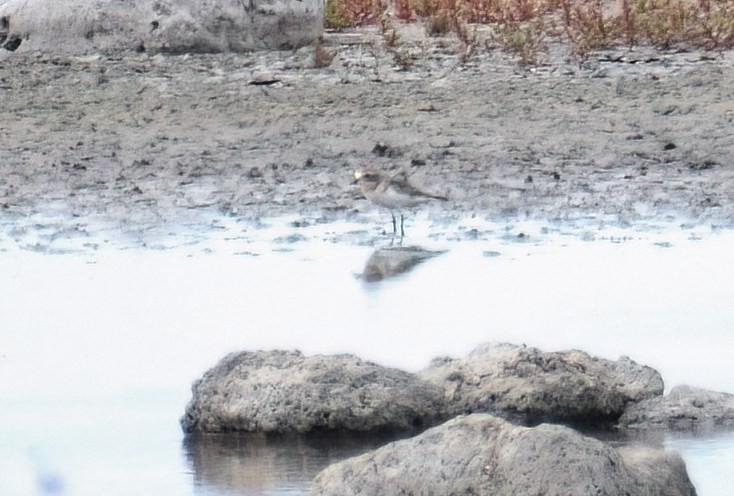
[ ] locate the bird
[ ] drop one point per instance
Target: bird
(392, 192)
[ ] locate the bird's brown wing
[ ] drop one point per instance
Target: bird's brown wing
(401, 184)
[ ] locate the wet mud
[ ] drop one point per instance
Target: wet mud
(100, 146)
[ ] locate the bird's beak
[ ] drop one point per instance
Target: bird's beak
(357, 176)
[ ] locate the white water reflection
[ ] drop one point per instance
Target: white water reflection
(709, 461)
(99, 347)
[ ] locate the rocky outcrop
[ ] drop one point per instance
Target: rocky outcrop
(530, 386)
(285, 391)
(181, 26)
(281, 391)
(482, 454)
(684, 408)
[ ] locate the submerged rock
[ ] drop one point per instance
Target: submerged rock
(481, 454)
(530, 386)
(284, 391)
(684, 408)
(181, 26)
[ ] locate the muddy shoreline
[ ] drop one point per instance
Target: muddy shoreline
(143, 143)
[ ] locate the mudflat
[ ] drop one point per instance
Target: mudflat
(142, 141)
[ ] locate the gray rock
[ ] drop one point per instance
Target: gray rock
(181, 26)
(284, 391)
(684, 408)
(483, 455)
(530, 386)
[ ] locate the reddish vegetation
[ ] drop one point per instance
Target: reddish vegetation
(522, 25)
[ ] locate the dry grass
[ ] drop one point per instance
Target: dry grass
(525, 40)
(523, 26)
(349, 13)
(322, 57)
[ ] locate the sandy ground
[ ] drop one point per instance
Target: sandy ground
(140, 142)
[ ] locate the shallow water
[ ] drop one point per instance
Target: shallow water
(102, 337)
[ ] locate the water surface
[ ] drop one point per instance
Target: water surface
(102, 337)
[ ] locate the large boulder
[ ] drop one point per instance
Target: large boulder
(529, 386)
(684, 408)
(176, 26)
(484, 455)
(285, 391)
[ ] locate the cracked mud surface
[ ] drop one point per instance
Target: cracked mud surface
(143, 144)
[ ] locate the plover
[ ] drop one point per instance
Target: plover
(392, 192)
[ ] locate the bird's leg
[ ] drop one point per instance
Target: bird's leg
(394, 224)
(402, 232)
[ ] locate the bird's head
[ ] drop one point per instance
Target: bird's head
(366, 178)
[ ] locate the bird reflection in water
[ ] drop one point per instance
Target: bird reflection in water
(395, 260)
